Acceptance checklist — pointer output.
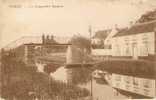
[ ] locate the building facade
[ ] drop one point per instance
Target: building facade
(136, 41)
(105, 48)
(98, 39)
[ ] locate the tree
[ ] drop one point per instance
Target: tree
(81, 42)
(17, 77)
(23, 82)
(78, 73)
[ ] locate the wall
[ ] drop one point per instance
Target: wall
(108, 40)
(101, 52)
(29, 54)
(134, 45)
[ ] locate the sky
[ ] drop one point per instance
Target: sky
(73, 18)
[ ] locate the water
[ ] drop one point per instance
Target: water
(40, 67)
(82, 78)
(60, 74)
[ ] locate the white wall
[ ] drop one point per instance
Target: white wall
(108, 39)
(135, 44)
(101, 52)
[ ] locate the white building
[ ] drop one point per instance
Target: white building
(136, 41)
(105, 38)
(108, 41)
(100, 36)
(98, 44)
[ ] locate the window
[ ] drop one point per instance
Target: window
(135, 81)
(110, 46)
(135, 50)
(117, 50)
(127, 49)
(127, 79)
(118, 78)
(146, 84)
(145, 48)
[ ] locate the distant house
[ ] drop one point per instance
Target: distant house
(99, 48)
(102, 43)
(108, 40)
(137, 41)
(99, 38)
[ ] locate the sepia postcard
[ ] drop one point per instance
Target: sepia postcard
(77, 49)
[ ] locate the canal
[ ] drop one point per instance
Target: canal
(82, 76)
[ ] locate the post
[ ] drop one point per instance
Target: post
(90, 35)
(26, 54)
(91, 88)
(49, 88)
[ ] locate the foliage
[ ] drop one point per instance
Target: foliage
(78, 73)
(82, 43)
(23, 82)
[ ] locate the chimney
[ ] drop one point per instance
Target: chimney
(47, 39)
(43, 39)
(52, 37)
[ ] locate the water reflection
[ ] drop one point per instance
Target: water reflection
(60, 87)
(60, 74)
(81, 76)
(40, 67)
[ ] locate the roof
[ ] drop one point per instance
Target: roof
(148, 16)
(137, 29)
(102, 34)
